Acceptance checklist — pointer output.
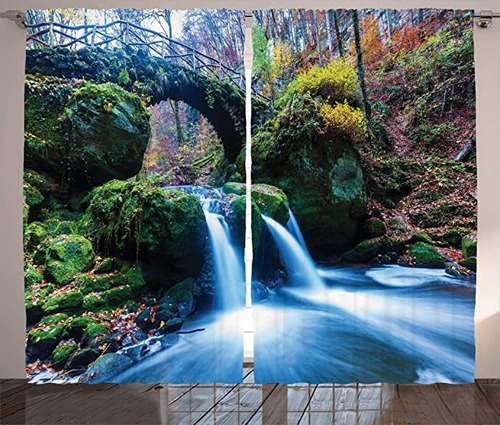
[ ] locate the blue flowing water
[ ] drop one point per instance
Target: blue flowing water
(381, 324)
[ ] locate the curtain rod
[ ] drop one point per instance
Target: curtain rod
(484, 17)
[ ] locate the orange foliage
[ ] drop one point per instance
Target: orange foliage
(406, 38)
(371, 44)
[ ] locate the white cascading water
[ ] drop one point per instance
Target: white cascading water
(229, 267)
(294, 229)
(298, 262)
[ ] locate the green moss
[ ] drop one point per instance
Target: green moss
(271, 201)
(95, 330)
(76, 326)
(374, 228)
(61, 353)
(421, 237)
(42, 341)
(88, 283)
(364, 252)
(117, 296)
(83, 134)
(181, 292)
(319, 172)
(105, 266)
(454, 236)
(237, 221)
(67, 256)
(31, 195)
(234, 188)
(425, 255)
(69, 301)
(31, 276)
(135, 279)
(469, 263)
(34, 235)
(469, 246)
(163, 229)
(54, 319)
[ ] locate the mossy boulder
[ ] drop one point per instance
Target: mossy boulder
(83, 134)
(424, 255)
(64, 301)
(87, 283)
(236, 219)
(34, 298)
(34, 234)
(319, 171)
(469, 246)
(42, 341)
(104, 266)
(364, 252)
(31, 276)
(182, 296)
(270, 200)
(421, 237)
(62, 352)
(165, 229)
(469, 263)
(374, 227)
(66, 256)
(76, 327)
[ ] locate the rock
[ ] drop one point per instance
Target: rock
(105, 266)
(67, 256)
(66, 301)
(398, 224)
(170, 239)
(425, 255)
(421, 237)
(42, 341)
(80, 359)
(319, 171)
(94, 334)
(144, 320)
(167, 309)
(62, 352)
(173, 325)
(453, 269)
(260, 292)
(469, 263)
(76, 327)
(469, 246)
(84, 134)
(182, 296)
(374, 228)
(31, 276)
(236, 220)
(105, 368)
(454, 237)
(34, 234)
(363, 252)
(133, 337)
(87, 283)
(270, 200)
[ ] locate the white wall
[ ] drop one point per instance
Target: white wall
(12, 319)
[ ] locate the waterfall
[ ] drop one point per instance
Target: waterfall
(298, 262)
(228, 263)
(294, 229)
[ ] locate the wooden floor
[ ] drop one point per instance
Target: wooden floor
(250, 404)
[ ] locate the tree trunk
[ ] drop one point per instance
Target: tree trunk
(316, 32)
(337, 32)
(359, 60)
(329, 32)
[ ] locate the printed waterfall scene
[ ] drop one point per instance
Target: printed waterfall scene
(133, 247)
(364, 268)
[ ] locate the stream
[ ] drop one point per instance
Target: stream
(337, 324)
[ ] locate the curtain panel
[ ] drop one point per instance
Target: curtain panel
(362, 198)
